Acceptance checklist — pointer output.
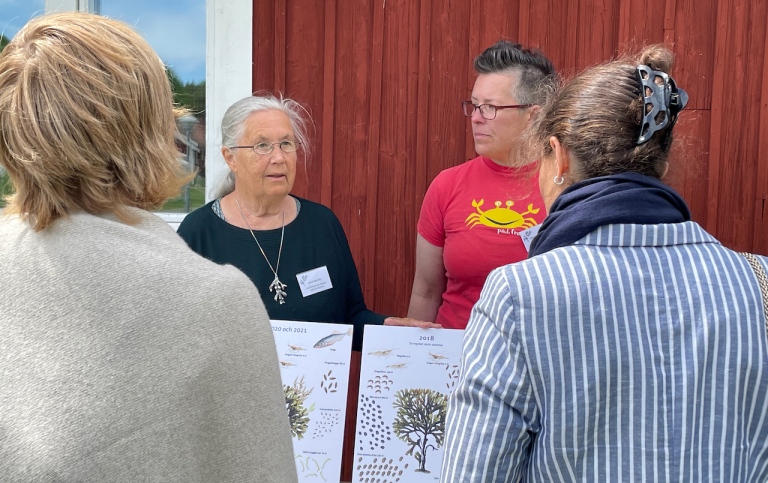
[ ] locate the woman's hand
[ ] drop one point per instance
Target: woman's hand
(409, 322)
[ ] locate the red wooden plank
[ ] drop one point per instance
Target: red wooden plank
(350, 193)
(694, 47)
(736, 135)
(447, 77)
(594, 38)
(304, 63)
(263, 77)
(372, 159)
(720, 74)
(641, 22)
(280, 45)
(760, 238)
(396, 220)
(329, 104)
(350, 419)
(422, 115)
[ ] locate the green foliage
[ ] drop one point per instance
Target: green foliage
(3, 42)
(298, 414)
(420, 416)
(189, 95)
(5, 187)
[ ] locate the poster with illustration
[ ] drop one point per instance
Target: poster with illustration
(406, 375)
(314, 366)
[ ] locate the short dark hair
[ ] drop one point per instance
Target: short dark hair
(537, 76)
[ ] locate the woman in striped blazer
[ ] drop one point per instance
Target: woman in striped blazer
(631, 345)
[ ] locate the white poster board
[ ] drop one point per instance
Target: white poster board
(314, 366)
(406, 375)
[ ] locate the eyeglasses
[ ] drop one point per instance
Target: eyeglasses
(266, 148)
(488, 111)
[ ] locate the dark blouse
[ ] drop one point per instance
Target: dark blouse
(314, 239)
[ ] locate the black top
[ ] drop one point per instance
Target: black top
(314, 239)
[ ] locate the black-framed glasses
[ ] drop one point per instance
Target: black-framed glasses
(286, 146)
(488, 111)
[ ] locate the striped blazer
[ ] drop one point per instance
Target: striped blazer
(637, 354)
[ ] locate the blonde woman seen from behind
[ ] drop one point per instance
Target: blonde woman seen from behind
(125, 356)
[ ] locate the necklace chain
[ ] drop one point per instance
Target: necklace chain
(276, 286)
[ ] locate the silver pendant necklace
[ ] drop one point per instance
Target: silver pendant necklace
(276, 286)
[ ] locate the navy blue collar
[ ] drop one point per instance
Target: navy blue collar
(620, 198)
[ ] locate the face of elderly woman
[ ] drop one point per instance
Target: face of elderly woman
(269, 175)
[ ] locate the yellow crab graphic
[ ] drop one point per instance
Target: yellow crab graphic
(501, 217)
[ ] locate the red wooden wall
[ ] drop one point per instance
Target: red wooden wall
(383, 80)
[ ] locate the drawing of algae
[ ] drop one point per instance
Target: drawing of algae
(329, 340)
(380, 470)
(298, 414)
(420, 416)
(309, 466)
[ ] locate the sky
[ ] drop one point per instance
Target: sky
(174, 28)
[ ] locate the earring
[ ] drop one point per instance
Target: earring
(558, 181)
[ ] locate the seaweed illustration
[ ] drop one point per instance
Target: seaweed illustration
(420, 417)
(298, 414)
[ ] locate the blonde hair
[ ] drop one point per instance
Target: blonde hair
(87, 120)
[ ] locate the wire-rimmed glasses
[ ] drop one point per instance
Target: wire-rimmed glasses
(488, 111)
(286, 146)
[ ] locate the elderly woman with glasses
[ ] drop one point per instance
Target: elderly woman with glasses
(474, 214)
(295, 251)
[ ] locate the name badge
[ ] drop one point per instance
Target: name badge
(314, 281)
(528, 235)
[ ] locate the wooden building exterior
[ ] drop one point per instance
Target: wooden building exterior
(383, 81)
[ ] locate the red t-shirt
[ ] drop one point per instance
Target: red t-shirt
(475, 212)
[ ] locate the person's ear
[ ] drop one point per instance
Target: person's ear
(533, 111)
(229, 158)
(562, 157)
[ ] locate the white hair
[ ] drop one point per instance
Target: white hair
(233, 125)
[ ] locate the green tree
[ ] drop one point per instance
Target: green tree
(190, 95)
(3, 42)
(420, 416)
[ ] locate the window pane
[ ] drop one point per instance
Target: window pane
(176, 30)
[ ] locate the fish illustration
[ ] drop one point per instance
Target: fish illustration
(286, 364)
(331, 339)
